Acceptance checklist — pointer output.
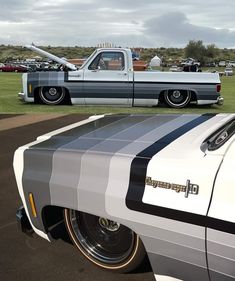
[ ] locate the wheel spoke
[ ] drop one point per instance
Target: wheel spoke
(177, 98)
(52, 95)
(105, 240)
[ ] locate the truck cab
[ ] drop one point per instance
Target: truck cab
(107, 77)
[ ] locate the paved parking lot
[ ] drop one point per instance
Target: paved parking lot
(24, 258)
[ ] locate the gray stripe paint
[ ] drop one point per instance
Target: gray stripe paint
(221, 249)
(100, 168)
(60, 179)
(163, 265)
(164, 126)
(38, 164)
(216, 276)
(72, 135)
(109, 139)
(176, 251)
(127, 124)
(36, 175)
(221, 264)
(175, 232)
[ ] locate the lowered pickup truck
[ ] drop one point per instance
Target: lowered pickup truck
(107, 78)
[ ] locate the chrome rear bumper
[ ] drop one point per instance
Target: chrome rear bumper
(220, 101)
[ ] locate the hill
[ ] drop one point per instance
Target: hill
(168, 55)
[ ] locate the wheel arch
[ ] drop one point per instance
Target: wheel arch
(54, 215)
(53, 220)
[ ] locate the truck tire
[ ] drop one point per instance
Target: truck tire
(52, 95)
(107, 244)
(177, 98)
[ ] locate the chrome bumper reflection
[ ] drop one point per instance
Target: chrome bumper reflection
(220, 101)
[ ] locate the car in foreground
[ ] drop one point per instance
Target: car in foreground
(108, 78)
(126, 185)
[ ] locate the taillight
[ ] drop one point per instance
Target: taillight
(218, 88)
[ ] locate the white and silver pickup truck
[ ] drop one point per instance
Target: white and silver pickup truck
(126, 185)
(107, 78)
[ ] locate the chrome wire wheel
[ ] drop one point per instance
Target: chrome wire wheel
(52, 95)
(177, 98)
(104, 242)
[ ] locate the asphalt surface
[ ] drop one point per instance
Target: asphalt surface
(24, 258)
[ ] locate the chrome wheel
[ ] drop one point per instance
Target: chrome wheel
(52, 95)
(104, 242)
(177, 98)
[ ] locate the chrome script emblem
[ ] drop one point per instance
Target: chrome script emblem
(189, 188)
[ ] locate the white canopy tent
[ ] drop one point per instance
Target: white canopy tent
(155, 61)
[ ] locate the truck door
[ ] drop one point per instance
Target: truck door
(221, 229)
(107, 81)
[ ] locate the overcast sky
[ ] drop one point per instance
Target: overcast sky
(147, 23)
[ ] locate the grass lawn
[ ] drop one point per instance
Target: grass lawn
(10, 85)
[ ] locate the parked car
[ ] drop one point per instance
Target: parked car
(125, 185)
(13, 68)
(108, 78)
(228, 71)
(231, 63)
(175, 68)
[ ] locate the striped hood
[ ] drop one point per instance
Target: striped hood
(131, 134)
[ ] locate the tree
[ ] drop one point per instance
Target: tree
(196, 50)
(212, 51)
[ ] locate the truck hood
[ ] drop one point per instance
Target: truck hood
(136, 135)
(51, 56)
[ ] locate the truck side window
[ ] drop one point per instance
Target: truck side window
(108, 61)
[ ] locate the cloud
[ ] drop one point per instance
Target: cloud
(175, 29)
(122, 22)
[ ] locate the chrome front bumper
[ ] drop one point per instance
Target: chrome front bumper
(21, 96)
(23, 221)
